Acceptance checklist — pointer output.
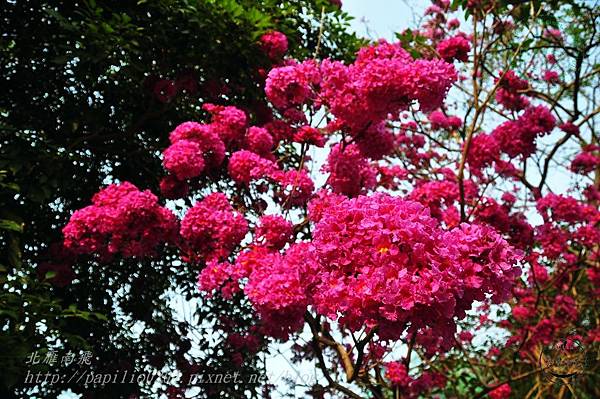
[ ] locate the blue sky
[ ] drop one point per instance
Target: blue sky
(381, 18)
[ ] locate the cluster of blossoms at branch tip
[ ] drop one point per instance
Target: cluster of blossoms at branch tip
(560, 208)
(484, 150)
(212, 228)
(349, 171)
(310, 135)
(121, 220)
(440, 121)
(551, 77)
(274, 44)
(553, 34)
(245, 166)
(501, 392)
(397, 373)
(384, 79)
(454, 48)
(586, 161)
(512, 91)
(259, 140)
(376, 141)
(184, 159)
(229, 122)
(291, 85)
(273, 232)
(293, 187)
(518, 137)
(383, 243)
(380, 260)
(439, 196)
(197, 147)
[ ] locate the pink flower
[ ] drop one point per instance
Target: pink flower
(280, 130)
(465, 336)
(293, 188)
(511, 90)
(184, 159)
(397, 374)
(245, 166)
(538, 120)
(427, 381)
(349, 172)
(585, 162)
(310, 135)
(391, 177)
(519, 137)
(433, 9)
(501, 392)
(551, 77)
(565, 308)
(553, 34)
(259, 140)
(229, 123)
(322, 200)
(384, 79)
(484, 150)
(522, 313)
(569, 127)
(212, 228)
(273, 232)
(440, 121)
(121, 220)
(454, 48)
(292, 85)
(370, 250)
(560, 208)
(205, 137)
(276, 288)
(213, 276)
(274, 44)
(453, 23)
(376, 142)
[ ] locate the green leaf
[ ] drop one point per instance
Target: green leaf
(50, 275)
(100, 316)
(107, 28)
(11, 225)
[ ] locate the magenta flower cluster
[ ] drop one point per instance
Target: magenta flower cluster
(454, 48)
(274, 44)
(518, 137)
(212, 228)
(121, 220)
(384, 260)
(380, 260)
(384, 79)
